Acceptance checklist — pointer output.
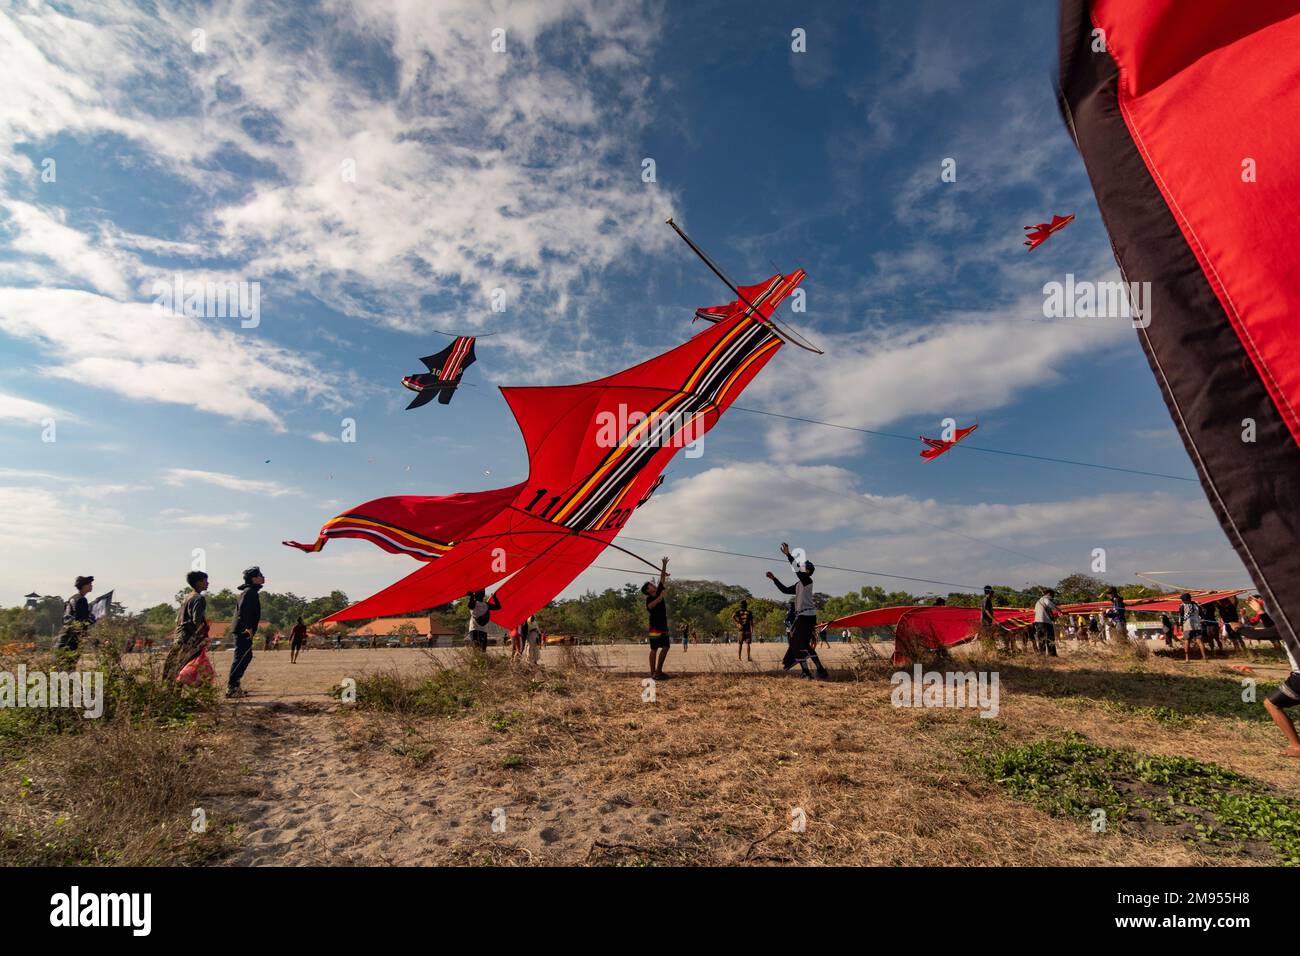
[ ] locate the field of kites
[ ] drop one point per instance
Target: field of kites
(989, 751)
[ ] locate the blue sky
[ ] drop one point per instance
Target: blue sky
(522, 170)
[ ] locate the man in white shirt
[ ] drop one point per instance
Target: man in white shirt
(1045, 612)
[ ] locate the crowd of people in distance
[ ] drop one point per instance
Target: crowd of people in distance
(1210, 626)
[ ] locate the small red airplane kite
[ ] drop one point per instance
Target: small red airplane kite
(940, 445)
(1038, 233)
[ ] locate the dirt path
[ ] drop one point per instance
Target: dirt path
(324, 800)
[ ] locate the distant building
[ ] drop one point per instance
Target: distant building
(217, 633)
(389, 627)
(32, 600)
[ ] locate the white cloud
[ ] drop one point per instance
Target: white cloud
(69, 255)
(958, 367)
(238, 519)
(42, 520)
(252, 486)
(137, 350)
(473, 169)
(17, 409)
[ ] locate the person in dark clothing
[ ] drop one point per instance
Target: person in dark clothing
(191, 627)
(1210, 627)
(248, 614)
(480, 612)
(744, 620)
(1117, 615)
(297, 638)
(1167, 626)
(989, 624)
(1231, 619)
(77, 620)
(800, 648)
(656, 606)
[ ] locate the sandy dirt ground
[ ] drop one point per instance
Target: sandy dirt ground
(571, 766)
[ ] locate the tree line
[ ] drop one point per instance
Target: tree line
(614, 614)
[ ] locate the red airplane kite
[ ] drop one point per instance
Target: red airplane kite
(940, 445)
(445, 371)
(1038, 233)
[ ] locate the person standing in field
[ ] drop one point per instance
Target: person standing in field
(1117, 616)
(297, 638)
(248, 615)
(1210, 628)
(800, 648)
(686, 636)
(656, 606)
(77, 620)
(191, 627)
(529, 637)
(1191, 627)
(480, 612)
(744, 621)
(989, 623)
(1231, 619)
(1045, 612)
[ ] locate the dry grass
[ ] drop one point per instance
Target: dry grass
(712, 771)
(589, 771)
(118, 790)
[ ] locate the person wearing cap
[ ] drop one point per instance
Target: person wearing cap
(76, 619)
(191, 627)
(248, 614)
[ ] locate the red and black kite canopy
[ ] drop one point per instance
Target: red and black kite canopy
(1187, 114)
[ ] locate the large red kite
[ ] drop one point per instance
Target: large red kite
(1187, 114)
(595, 452)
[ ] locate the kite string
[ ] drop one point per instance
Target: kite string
(828, 567)
(962, 445)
